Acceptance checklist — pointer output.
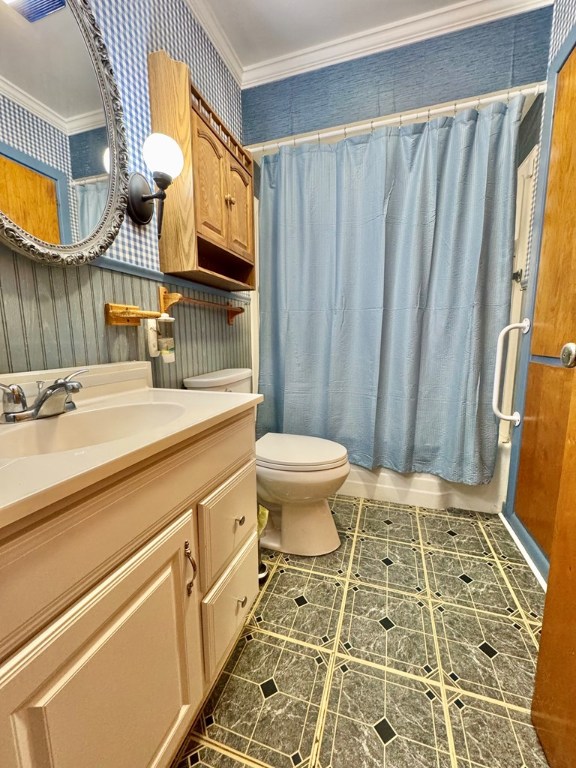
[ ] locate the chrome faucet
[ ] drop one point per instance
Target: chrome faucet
(50, 401)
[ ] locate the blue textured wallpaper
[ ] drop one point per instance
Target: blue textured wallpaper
(86, 150)
(485, 58)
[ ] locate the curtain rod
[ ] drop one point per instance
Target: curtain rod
(411, 116)
(91, 179)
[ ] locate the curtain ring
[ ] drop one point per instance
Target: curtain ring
(508, 97)
(455, 107)
(294, 142)
(400, 121)
(371, 126)
(345, 132)
(478, 105)
(318, 137)
(428, 115)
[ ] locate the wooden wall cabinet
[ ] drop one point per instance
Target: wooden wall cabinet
(208, 229)
(118, 611)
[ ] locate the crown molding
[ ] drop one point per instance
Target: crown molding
(86, 122)
(412, 30)
(205, 16)
(31, 104)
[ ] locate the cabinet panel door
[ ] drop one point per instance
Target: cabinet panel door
(225, 520)
(241, 230)
(210, 169)
(225, 607)
(116, 679)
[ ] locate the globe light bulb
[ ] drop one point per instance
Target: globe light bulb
(162, 154)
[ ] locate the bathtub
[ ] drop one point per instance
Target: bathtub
(422, 490)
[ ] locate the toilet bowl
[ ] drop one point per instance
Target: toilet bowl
(295, 474)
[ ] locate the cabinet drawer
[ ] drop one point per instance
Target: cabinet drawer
(45, 570)
(226, 519)
(225, 607)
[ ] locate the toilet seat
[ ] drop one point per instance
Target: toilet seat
(298, 453)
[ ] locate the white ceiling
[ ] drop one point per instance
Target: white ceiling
(45, 66)
(264, 40)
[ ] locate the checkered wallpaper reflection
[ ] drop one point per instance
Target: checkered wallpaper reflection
(131, 30)
(563, 21)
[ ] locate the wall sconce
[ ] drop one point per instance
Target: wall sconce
(165, 160)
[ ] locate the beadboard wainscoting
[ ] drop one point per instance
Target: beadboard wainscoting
(52, 317)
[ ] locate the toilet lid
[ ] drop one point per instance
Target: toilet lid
(299, 453)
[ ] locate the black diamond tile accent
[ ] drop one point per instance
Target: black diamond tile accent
(387, 522)
(488, 650)
(319, 660)
(344, 668)
(194, 759)
(534, 615)
(385, 730)
(427, 668)
(325, 639)
(340, 571)
(430, 694)
(420, 604)
(454, 676)
(282, 570)
(438, 594)
(347, 646)
(300, 600)
(441, 608)
(387, 562)
(268, 688)
(296, 758)
(354, 589)
(386, 623)
(418, 589)
(249, 637)
(517, 626)
(460, 704)
(465, 578)
(510, 610)
(209, 720)
(451, 533)
(259, 619)
(337, 584)
(357, 575)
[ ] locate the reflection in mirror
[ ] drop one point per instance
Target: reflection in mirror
(52, 124)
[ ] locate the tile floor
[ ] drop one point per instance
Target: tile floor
(412, 646)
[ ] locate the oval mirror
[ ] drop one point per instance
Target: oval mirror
(59, 111)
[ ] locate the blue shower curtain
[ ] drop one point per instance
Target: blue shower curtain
(385, 267)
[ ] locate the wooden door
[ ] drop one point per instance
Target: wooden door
(30, 199)
(554, 704)
(210, 182)
(549, 387)
(240, 202)
(115, 681)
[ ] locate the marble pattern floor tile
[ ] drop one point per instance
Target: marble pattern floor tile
(389, 564)
(350, 659)
(468, 581)
(345, 511)
(488, 735)
(334, 564)
(376, 718)
(267, 701)
(389, 629)
(457, 535)
(493, 656)
(398, 523)
(302, 606)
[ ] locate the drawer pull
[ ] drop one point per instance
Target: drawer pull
(188, 554)
(241, 520)
(243, 602)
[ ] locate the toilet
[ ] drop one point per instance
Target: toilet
(295, 474)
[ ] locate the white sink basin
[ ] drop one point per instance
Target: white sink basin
(83, 428)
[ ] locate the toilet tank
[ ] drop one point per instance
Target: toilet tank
(226, 380)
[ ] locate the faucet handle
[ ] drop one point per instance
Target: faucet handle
(76, 373)
(13, 398)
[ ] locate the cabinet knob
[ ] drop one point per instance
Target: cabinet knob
(228, 199)
(241, 520)
(242, 602)
(232, 200)
(188, 555)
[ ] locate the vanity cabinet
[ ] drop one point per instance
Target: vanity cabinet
(118, 607)
(208, 229)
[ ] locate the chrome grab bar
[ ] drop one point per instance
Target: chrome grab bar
(524, 326)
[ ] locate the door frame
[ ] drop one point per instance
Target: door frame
(536, 554)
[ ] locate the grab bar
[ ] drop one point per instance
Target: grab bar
(524, 326)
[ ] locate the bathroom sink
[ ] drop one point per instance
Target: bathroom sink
(83, 428)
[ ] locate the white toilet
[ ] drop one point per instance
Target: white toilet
(295, 474)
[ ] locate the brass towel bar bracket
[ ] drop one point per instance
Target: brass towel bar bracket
(168, 299)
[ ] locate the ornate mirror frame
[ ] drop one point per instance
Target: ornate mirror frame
(104, 234)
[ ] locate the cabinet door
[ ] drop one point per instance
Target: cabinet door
(240, 204)
(116, 679)
(210, 170)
